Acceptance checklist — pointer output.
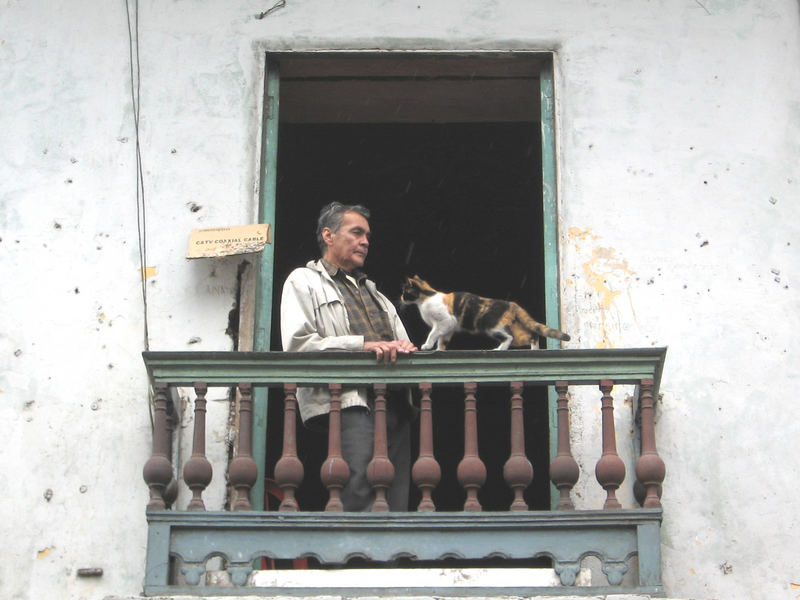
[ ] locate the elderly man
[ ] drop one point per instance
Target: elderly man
(331, 305)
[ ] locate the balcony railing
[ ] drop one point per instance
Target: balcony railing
(181, 542)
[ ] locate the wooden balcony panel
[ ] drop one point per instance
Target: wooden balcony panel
(565, 536)
(578, 367)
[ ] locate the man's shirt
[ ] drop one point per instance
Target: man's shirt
(363, 310)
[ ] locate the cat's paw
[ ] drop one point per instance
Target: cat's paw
(427, 347)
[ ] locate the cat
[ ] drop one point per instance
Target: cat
(446, 313)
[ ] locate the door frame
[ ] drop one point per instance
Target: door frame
(261, 285)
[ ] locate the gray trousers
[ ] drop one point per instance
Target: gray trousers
(357, 445)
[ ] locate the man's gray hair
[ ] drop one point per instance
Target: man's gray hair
(331, 216)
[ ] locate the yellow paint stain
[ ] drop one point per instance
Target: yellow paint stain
(45, 552)
(148, 272)
(581, 234)
(603, 264)
(795, 586)
(691, 572)
(603, 267)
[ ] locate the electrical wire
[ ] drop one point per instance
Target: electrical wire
(141, 215)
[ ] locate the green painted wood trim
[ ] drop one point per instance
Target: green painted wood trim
(266, 207)
(649, 545)
(549, 201)
(271, 369)
(157, 573)
(389, 522)
(563, 536)
(550, 237)
(266, 265)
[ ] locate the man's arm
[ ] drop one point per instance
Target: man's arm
(300, 331)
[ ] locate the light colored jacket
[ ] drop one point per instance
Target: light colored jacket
(314, 319)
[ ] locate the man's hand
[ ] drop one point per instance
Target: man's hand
(387, 352)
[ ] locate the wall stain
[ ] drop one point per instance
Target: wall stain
(604, 272)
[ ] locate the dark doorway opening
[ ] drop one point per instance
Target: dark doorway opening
(460, 205)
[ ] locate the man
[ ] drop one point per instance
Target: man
(331, 305)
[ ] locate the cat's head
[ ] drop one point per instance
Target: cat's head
(415, 290)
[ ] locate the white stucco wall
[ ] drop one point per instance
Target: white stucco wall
(679, 133)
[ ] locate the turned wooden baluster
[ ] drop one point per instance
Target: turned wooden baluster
(335, 472)
(197, 470)
(564, 471)
(380, 471)
(289, 470)
(426, 471)
(518, 471)
(650, 469)
(243, 470)
(610, 470)
(171, 491)
(157, 470)
(471, 471)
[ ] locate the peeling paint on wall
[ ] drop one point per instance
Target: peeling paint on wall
(608, 276)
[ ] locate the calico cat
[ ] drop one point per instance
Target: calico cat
(447, 313)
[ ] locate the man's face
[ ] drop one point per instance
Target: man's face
(348, 247)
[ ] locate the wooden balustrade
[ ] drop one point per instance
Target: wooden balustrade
(335, 472)
(518, 472)
(289, 469)
(380, 471)
(471, 470)
(610, 469)
(564, 470)
(426, 472)
(650, 470)
(243, 470)
(471, 375)
(197, 472)
(158, 470)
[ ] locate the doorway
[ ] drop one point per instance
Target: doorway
(447, 154)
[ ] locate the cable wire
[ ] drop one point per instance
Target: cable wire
(141, 215)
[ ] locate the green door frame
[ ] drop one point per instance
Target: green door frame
(264, 276)
(265, 268)
(552, 295)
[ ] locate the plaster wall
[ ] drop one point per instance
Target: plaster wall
(679, 132)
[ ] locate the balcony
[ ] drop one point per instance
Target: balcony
(623, 542)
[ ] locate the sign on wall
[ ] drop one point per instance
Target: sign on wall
(226, 241)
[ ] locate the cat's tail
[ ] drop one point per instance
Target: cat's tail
(538, 328)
